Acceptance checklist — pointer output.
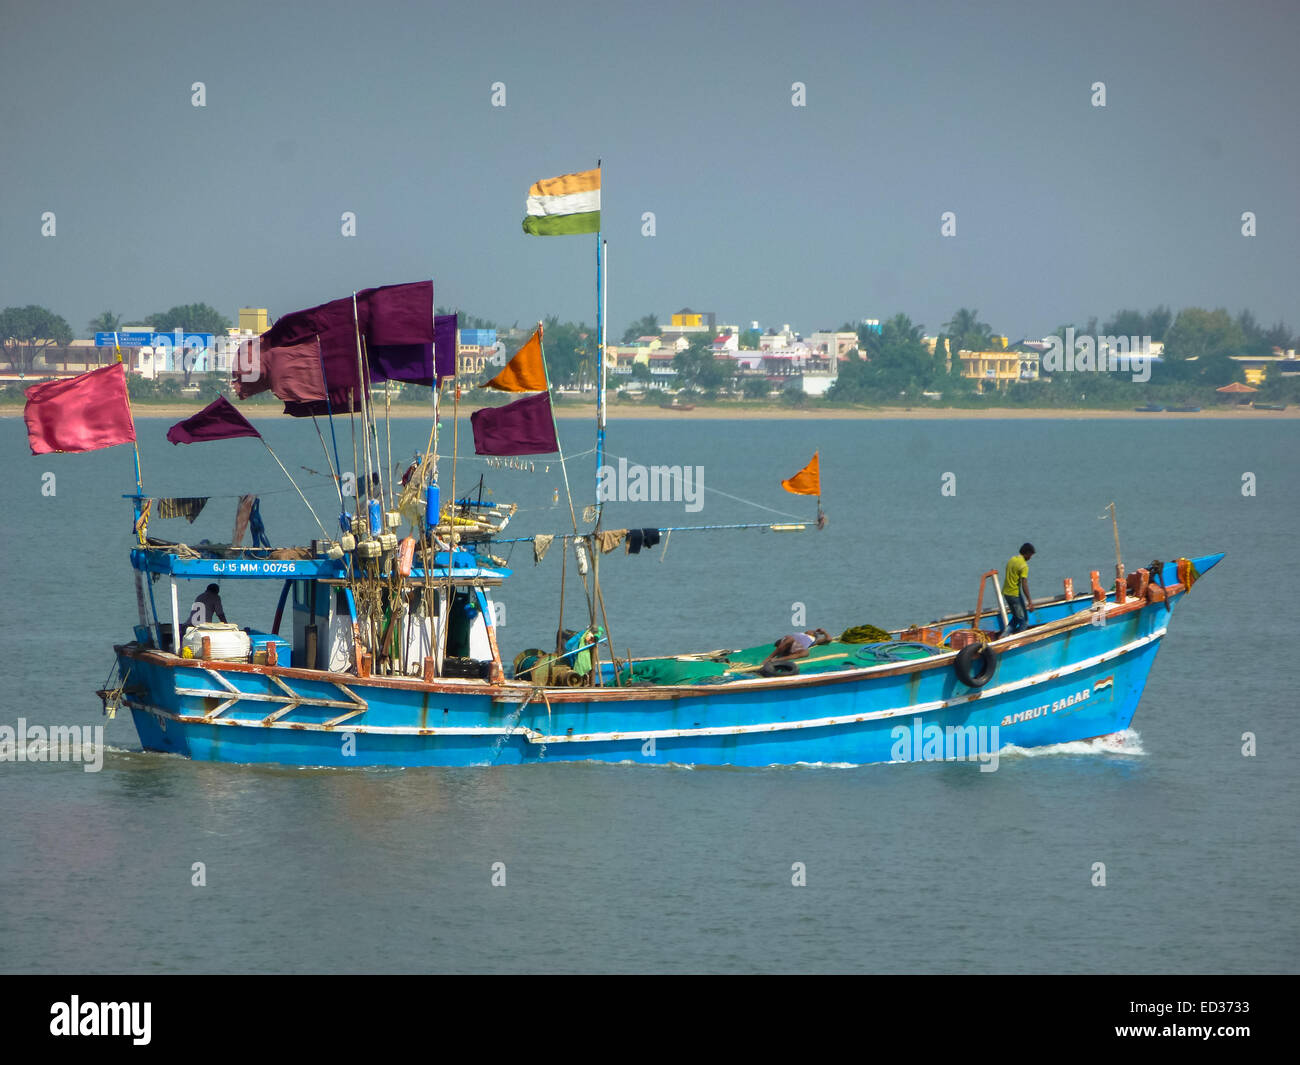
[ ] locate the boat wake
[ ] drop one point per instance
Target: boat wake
(1127, 743)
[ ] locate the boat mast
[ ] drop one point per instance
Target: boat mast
(601, 252)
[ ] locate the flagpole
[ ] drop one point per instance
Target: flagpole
(135, 443)
(602, 296)
(600, 369)
(365, 431)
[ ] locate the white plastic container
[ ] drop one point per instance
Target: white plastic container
(227, 643)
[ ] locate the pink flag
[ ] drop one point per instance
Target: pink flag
(84, 413)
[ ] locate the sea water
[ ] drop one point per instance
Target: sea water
(1167, 849)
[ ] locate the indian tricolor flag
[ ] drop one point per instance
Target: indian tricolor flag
(564, 205)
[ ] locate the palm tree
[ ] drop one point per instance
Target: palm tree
(107, 322)
(968, 332)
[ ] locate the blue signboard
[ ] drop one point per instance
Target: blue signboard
(154, 340)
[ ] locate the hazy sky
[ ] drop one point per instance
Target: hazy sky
(808, 215)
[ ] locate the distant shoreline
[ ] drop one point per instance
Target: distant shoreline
(627, 412)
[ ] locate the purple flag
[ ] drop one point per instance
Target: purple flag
(444, 345)
(397, 314)
(219, 420)
(402, 362)
(399, 331)
(333, 323)
(524, 427)
(396, 322)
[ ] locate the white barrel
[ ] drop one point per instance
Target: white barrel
(228, 643)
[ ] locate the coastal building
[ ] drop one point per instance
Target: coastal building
(999, 369)
(253, 320)
(686, 323)
(835, 345)
(1258, 367)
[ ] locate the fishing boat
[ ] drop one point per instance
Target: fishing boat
(383, 651)
(1076, 674)
(1150, 408)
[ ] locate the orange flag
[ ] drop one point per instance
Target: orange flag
(808, 481)
(525, 372)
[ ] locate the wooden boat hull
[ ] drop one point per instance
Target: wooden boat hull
(1066, 679)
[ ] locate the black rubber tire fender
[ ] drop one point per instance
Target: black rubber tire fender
(965, 665)
(779, 668)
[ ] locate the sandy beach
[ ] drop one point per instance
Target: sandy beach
(630, 412)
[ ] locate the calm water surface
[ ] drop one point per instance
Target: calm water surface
(910, 868)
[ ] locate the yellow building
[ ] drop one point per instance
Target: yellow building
(997, 369)
(253, 320)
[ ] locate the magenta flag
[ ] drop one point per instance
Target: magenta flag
(524, 427)
(84, 413)
(219, 420)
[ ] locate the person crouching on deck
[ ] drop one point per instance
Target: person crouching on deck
(1015, 590)
(796, 645)
(207, 606)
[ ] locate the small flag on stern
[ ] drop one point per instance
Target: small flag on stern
(219, 420)
(524, 427)
(525, 372)
(84, 413)
(564, 205)
(808, 481)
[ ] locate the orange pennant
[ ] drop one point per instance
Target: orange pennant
(525, 372)
(808, 481)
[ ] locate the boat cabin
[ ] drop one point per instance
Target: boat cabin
(439, 624)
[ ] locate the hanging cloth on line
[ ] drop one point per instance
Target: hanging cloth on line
(260, 539)
(242, 510)
(610, 539)
(187, 507)
(541, 544)
(639, 538)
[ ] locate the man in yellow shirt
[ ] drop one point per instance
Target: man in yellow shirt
(1015, 589)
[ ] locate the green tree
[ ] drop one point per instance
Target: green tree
(1158, 322)
(566, 349)
(188, 318)
(698, 368)
(645, 326)
(106, 322)
(25, 333)
(641, 374)
(749, 339)
(465, 320)
(1198, 332)
(968, 333)
(1133, 323)
(1278, 336)
(756, 388)
(896, 361)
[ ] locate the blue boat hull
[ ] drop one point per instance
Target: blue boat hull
(1066, 680)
